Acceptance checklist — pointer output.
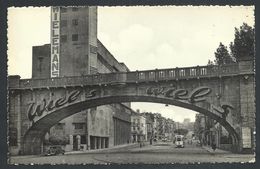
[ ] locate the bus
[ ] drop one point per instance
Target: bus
(179, 141)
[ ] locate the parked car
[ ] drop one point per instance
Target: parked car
(164, 139)
(54, 150)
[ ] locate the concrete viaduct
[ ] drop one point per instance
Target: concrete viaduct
(215, 91)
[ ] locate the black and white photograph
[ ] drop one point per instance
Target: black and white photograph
(131, 85)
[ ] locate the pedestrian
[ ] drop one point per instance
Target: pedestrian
(198, 143)
(213, 146)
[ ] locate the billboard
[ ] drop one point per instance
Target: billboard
(55, 41)
(246, 137)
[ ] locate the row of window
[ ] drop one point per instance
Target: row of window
(79, 125)
(64, 23)
(135, 123)
(161, 74)
(74, 37)
(136, 120)
(136, 128)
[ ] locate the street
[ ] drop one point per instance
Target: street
(158, 153)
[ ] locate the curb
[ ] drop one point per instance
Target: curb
(101, 150)
(208, 149)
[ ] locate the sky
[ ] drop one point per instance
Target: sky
(142, 37)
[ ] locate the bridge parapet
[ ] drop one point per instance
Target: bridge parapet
(131, 77)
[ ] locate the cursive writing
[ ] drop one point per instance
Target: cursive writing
(38, 110)
(196, 95)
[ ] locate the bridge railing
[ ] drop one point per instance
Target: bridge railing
(181, 73)
(134, 76)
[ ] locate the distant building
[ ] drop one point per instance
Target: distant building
(169, 129)
(187, 124)
(139, 129)
(155, 127)
(179, 125)
(159, 126)
(149, 124)
(163, 128)
(186, 121)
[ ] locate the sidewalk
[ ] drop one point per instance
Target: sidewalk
(217, 151)
(110, 149)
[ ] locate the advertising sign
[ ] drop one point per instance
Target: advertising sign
(246, 137)
(55, 41)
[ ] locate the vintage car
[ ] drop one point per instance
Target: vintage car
(54, 150)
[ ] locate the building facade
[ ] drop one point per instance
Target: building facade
(75, 51)
(158, 127)
(139, 128)
(149, 125)
(169, 129)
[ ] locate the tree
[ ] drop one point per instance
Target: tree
(210, 63)
(243, 45)
(222, 56)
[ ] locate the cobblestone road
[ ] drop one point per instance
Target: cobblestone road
(150, 154)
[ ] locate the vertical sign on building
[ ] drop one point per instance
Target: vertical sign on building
(55, 41)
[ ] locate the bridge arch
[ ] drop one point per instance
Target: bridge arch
(33, 138)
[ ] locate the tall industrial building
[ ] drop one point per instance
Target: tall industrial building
(76, 51)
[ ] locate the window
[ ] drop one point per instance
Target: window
(63, 38)
(151, 75)
(171, 73)
(161, 74)
(79, 125)
(63, 10)
(75, 22)
(203, 71)
(75, 37)
(75, 9)
(141, 75)
(40, 63)
(182, 72)
(83, 139)
(193, 72)
(63, 23)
